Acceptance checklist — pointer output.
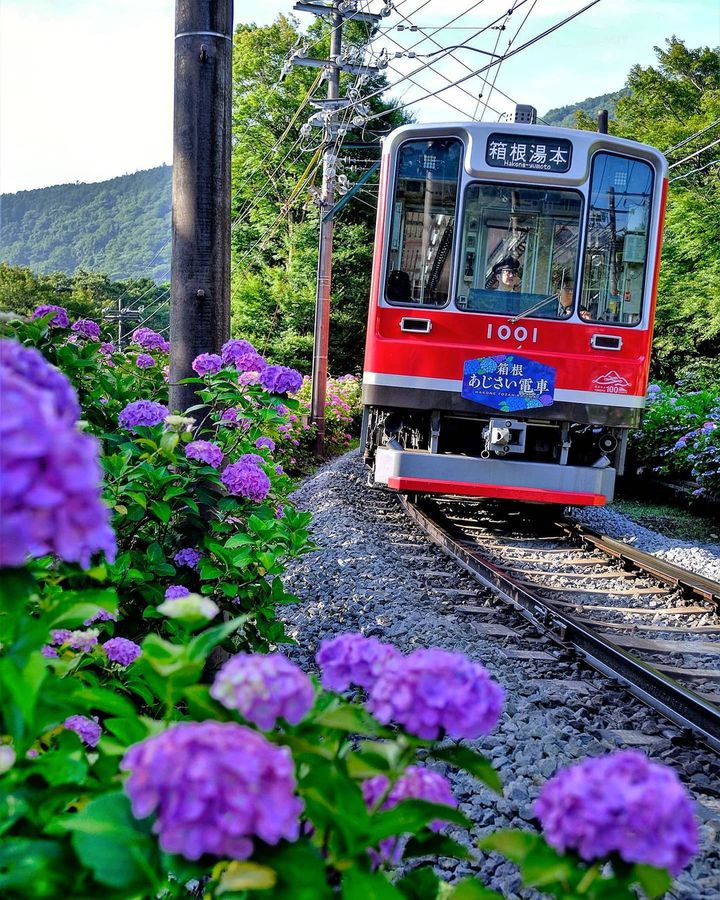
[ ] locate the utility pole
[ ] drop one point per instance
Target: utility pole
(200, 267)
(321, 333)
(337, 12)
(126, 318)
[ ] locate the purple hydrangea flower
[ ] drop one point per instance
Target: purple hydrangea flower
(264, 688)
(281, 409)
(279, 470)
(86, 729)
(214, 786)
(265, 442)
(207, 364)
(49, 652)
(87, 328)
(620, 803)
(435, 692)
(175, 591)
(353, 659)
(83, 641)
(145, 361)
(59, 320)
(142, 412)
(205, 451)
(416, 783)
(50, 479)
(107, 348)
(245, 379)
(60, 635)
(102, 615)
(122, 651)
(30, 365)
(246, 478)
(280, 380)
(243, 356)
(188, 557)
(150, 340)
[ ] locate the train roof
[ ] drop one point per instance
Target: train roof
(476, 134)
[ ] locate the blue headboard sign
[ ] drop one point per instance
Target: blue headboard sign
(508, 382)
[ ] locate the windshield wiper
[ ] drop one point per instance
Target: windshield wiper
(531, 309)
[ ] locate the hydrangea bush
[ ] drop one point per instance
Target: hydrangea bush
(155, 742)
(680, 437)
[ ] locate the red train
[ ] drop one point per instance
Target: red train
(511, 310)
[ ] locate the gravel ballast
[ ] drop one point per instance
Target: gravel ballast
(374, 571)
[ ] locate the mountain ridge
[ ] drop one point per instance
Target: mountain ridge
(121, 226)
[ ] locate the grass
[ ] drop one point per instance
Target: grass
(670, 520)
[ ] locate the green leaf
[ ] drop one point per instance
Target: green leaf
(420, 884)
(472, 889)
(208, 570)
(63, 765)
(107, 839)
(161, 510)
(104, 700)
(353, 719)
(474, 763)
(655, 882)
(201, 646)
(434, 844)
(410, 816)
(25, 862)
(245, 876)
(359, 885)
(512, 843)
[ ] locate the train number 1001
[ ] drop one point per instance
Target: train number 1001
(519, 334)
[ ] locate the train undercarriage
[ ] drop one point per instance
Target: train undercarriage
(503, 456)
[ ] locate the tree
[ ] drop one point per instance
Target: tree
(667, 103)
(275, 166)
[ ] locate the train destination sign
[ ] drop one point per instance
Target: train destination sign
(508, 382)
(512, 151)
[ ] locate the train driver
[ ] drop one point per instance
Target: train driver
(504, 275)
(565, 298)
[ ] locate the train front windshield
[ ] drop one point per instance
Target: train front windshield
(519, 251)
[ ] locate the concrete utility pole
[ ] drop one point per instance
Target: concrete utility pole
(200, 268)
(325, 248)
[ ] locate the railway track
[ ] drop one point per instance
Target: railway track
(634, 617)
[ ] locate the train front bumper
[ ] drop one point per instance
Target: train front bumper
(417, 471)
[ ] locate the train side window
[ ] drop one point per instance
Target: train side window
(617, 240)
(423, 222)
(519, 250)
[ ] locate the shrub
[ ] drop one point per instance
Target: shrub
(132, 768)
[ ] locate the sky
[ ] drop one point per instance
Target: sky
(86, 87)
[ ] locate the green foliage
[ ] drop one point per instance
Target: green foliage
(680, 437)
(275, 235)
(666, 103)
(68, 827)
(120, 226)
(86, 295)
(567, 877)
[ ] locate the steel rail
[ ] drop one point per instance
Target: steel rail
(660, 568)
(674, 701)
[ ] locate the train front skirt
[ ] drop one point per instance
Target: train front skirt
(418, 471)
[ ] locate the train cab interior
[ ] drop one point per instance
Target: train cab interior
(539, 232)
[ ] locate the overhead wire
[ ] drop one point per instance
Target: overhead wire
(693, 155)
(695, 171)
(511, 41)
(493, 63)
(692, 137)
